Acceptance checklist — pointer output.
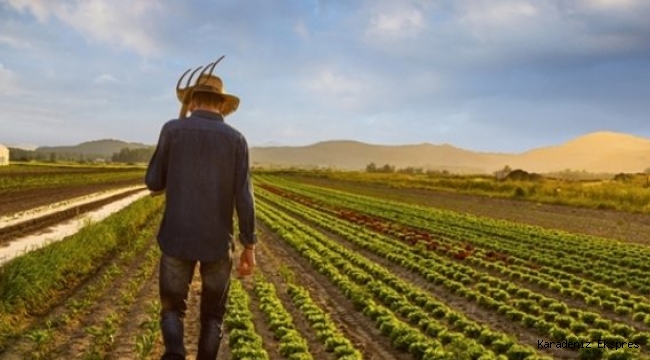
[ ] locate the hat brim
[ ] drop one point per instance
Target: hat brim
(230, 102)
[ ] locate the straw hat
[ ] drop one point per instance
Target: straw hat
(206, 83)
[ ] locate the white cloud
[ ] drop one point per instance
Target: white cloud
(300, 28)
(119, 23)
(104, 79)
(497, 13)
(612, 4)
(396, 20)
(41, 9)
(14, 42)
(342, 91)
(9, 82)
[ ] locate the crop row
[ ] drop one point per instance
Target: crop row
(10, 184)
(518, 304)
(78, 306)
(31, 284)
(326, 330)
(291, 343)
(364, 285)
(634, 256)
(243, 340)
(104, 334)
(451, 226)
(592, 294)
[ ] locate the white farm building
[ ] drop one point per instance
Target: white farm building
(4, 155)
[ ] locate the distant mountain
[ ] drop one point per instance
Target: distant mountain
(597, 152)
(101, 148)
(28, 147)
(354, 155)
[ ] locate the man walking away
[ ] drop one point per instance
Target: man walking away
(202, 165)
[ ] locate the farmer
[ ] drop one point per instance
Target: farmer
(201, 164)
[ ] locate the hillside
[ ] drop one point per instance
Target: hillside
(599, 152)
(596, 152)
(101, 148)
(353, 155)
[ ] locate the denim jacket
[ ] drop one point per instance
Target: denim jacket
(202, 164)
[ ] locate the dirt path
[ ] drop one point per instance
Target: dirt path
(606, 223)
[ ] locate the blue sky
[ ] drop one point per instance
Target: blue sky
(489, 75)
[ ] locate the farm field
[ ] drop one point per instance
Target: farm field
(24, 187)
(615, 224)
(343, 275)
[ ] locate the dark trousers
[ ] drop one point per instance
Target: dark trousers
(175, 279)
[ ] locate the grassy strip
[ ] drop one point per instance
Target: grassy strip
(31, 284)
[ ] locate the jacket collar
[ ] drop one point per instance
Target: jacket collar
(207, 115)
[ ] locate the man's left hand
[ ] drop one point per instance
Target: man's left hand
(247, 262)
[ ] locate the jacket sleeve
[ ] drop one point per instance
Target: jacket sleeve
(156, 176)
(244, 198)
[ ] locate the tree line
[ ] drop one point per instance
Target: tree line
(125, 155)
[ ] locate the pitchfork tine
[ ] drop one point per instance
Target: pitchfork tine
(178, 84)
(215, 64)
(203, 73)
(192, 75)
(211, 66)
